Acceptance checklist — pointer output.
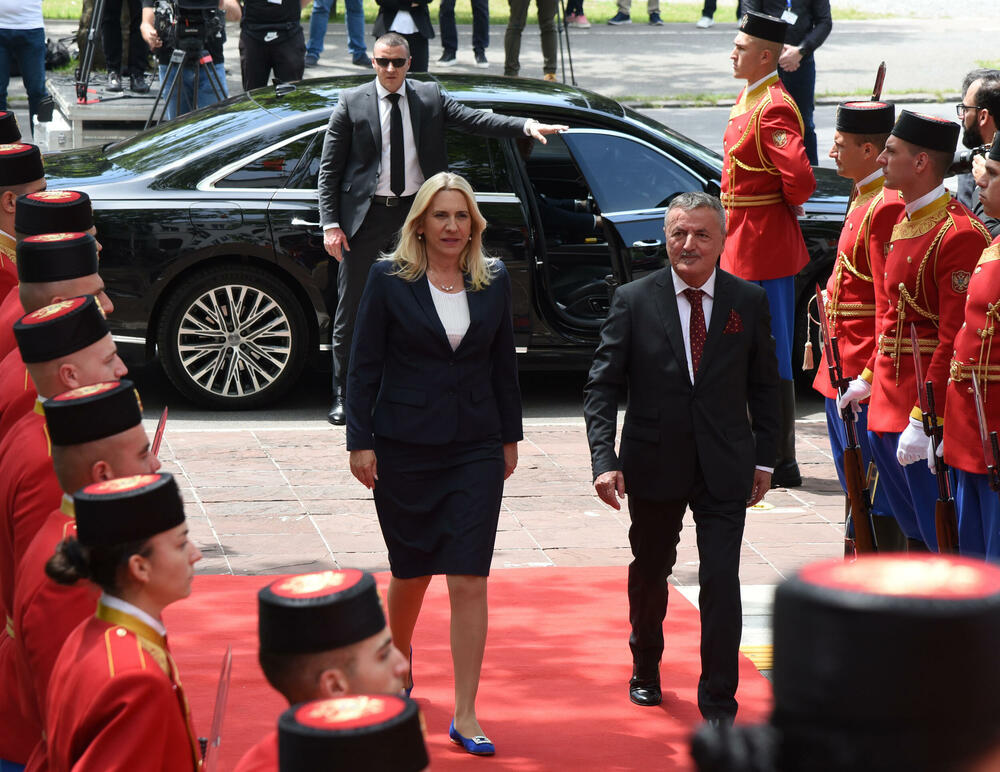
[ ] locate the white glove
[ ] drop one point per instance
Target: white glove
(857, 390)
(913, 443)
(931, 463)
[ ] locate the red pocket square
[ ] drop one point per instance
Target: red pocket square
(733, 324)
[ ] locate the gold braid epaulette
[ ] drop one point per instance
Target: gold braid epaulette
(905, 298)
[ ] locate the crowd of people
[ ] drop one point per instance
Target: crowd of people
(425, 380)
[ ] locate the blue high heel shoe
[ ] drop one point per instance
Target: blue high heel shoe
(480, 745)
(410, 687)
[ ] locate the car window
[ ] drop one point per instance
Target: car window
(306, 176)
(473, 157)
(625, 174)
(271, 170)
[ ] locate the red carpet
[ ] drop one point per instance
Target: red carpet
(553, 694)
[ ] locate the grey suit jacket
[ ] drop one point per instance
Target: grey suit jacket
(352, 148)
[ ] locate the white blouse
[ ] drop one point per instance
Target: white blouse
(453, 311)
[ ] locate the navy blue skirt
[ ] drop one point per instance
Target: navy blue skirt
(438, 505)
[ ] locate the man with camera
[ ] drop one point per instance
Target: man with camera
(977, 112)
(271, 39)
(160, 21)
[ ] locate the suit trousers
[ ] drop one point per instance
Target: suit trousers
(653, 536)
(512, 37)
(377, 234)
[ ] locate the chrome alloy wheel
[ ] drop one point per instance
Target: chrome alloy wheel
(234, 340)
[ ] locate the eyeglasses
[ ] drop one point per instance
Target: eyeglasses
(384, 62)
(961, 109)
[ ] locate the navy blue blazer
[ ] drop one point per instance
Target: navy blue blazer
(405, 383)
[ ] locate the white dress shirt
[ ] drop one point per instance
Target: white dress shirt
(124, 606)
(924, 200)
(684, 311)
(414, 176)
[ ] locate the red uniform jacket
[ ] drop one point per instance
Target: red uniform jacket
(16, 730)
(929, 262)
(45, 613)
(765, 172)
(263, 757)
(850, 291)
(8, 264)
(115, 701)
(29, 490)
(17, 391)
(974, 355)
(10, 311)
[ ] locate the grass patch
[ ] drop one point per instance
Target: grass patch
(938, 96)
(993, 64)
(598, 12)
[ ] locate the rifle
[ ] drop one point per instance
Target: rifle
(945, 520)
(158, 436)
(991, 450)
(858, 492)
(876, 96)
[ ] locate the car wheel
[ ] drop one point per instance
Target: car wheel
(232, 337)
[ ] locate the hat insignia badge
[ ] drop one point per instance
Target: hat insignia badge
(346, 709)
(53, 310)
(310, 583)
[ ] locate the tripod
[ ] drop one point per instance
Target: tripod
(180, 58)
(560, 16)
(87, 55)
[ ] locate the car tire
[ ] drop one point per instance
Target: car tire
(218, 364)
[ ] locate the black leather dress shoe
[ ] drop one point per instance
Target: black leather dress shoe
(336, 415)
(644, 692)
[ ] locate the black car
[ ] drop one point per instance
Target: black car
(213, 252)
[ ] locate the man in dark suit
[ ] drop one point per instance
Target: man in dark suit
(367, 180)
(692, 345)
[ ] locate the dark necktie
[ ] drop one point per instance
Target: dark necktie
(697, 328)
(397, 164)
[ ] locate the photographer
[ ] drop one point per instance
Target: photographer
(229, 10)
(271, 38)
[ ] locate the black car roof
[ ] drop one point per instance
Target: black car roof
(320, 93)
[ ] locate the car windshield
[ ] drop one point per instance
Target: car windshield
(708, 157)
(173, 140)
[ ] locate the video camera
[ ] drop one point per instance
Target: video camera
(963, 159)
(186, 24)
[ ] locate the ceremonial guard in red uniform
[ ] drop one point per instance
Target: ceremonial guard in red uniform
(20, 172)
(51, 267)
(363, 733)
(39, 213)
(850, 302)
(929, 261)
(65, 346)
(766, 176)
(974, 357)
(97, 434)
(311, 626)
(115, 698)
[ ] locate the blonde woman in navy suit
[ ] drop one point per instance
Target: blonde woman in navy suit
(434, 418)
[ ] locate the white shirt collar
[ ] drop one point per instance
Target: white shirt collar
(871, 177)
(752, 86)
(383, 92)
(680, 285)
(917, 204)
(133, 611)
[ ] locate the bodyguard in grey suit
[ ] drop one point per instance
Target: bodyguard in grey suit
(367, 178)
(692, 346)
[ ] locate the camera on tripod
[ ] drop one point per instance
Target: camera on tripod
(186, 24)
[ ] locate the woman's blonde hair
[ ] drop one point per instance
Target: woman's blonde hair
(410, 254)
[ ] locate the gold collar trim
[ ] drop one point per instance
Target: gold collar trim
(119, 618)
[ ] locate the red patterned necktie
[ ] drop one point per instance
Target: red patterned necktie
(697, 328)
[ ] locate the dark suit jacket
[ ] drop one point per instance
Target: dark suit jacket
(671, 425)
(387, 10)
(405, 383)
(352, 149)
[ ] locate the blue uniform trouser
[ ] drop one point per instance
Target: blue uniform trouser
(10, 766)
(354, 14)
(978, 516)
(838, 441)
(911, 490)
(781, 299)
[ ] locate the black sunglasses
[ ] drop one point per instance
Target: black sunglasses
(384, 62)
